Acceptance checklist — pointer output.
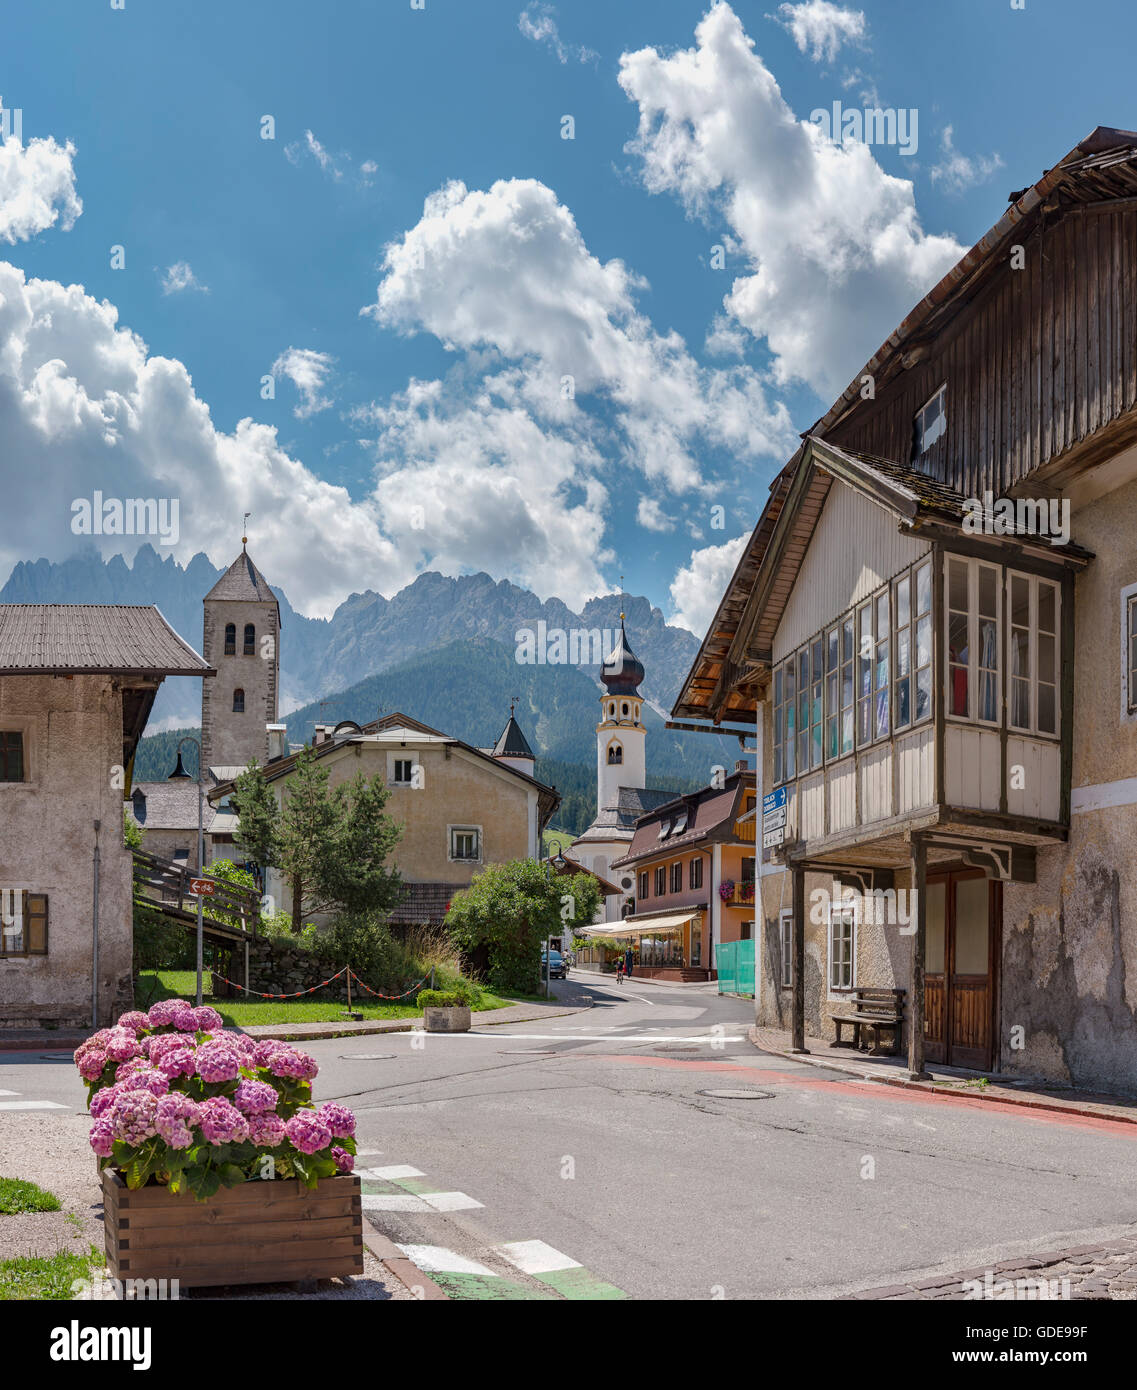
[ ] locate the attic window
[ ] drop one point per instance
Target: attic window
(930, 423)
(664, 828)
(680, 823)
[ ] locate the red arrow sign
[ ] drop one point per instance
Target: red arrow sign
(202, 887)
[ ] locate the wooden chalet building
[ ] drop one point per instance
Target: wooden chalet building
(949, 700)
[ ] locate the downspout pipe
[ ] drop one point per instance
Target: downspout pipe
(95, 935)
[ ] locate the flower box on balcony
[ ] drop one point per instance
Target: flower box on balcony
(255, 1233)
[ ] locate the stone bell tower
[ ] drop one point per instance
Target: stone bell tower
(242, 641)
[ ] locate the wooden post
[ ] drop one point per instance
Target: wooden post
(918, 887)
(798, 963)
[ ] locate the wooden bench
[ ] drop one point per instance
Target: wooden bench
(875, 1009)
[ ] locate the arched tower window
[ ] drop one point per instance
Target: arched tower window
(238, 701)
(615, 753)
(624, 709)
(250, 640)
(230, 639)
(612, 710)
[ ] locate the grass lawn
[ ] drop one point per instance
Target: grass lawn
(18, 1196)
(169, 984)
(35, 1277)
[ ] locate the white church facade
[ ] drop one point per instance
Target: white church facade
(622, 795)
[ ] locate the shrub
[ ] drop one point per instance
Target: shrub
(160, 944)
(442, 999)
(361, 940)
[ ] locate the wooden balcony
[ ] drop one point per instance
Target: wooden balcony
(744, 831)
(741, 895)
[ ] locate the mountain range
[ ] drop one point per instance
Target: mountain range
(366, 634)
(441, 650)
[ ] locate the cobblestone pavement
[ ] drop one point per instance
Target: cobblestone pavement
(1087, 1272)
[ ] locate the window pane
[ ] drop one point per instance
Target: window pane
(1020, 652)
(924, 588)
(1046, 652)
(1020, 602)
(987, 700)
(832, 656)
(1020, 703)
(847, 731)
(818, 649)
(903, 712)
(881, 713)
(1047, 703)
(902, 605)
(1046, 607)
(957, 585)
(924, 641)
(924, 693)
(848, 633)
(988, 591)
(903, 658)
(882, 617)
(778, 687)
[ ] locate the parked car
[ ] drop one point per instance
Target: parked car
(557, 969)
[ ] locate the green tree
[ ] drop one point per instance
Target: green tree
(255, 804)
(131, 830)
(354, 873)
(332, 844)
(225, 871)
(512, 909)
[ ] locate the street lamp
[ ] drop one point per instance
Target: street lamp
(180, 774)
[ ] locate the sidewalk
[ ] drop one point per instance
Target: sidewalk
(1098, 1272)
(67, 1040)
(607, 977)
(1034, 1094)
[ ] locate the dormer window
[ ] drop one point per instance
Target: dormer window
(250, 644)
(230, 639)
(930, 423)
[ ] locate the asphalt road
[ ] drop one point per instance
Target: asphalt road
(589, 1156)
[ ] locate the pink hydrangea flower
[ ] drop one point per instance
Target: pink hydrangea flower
(252, 1097)
(135, 1020)
(91, 1065)
(132, 1116)
(163, 1013)
(308, 1132)
(206, 1019)
(338, 1119)
(102, 1101)
(288, 1061)
(217, 1061)
(245, 1045)
(264, 1049)
(266, 1130)
(141, 1076)
(174, 1118)
(122, 1045)
(222, 1123)
(102, 1137)
(344, 1161)
(177, 1061)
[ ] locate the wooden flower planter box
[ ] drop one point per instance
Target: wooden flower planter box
(257, 1233)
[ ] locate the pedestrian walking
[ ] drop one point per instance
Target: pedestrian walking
(629, 961)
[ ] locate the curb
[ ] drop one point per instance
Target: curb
(401, 1268)
(939, 1090)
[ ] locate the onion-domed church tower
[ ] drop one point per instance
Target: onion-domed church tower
(621, 773)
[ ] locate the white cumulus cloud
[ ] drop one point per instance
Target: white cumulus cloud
(37, 188)
(179, 278)
(699, 585)
(835, 249)
(308, 370)
(652, 517)
(821, 28)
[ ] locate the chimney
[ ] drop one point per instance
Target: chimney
(277, 741)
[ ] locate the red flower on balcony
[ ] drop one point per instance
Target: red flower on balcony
(726, 889)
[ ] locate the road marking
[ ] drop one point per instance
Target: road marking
(368, 1153)
(31, 1105)
(9, 1093)
(652, 1037)
(393, 1201)
(450, 1201)
(436, 1259)
(397, 1170)
(535, 1257)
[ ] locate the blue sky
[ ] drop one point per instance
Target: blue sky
(420, 358)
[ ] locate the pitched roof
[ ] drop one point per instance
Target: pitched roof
(711, 813)
(512, 743)
(169, 806)
(242, 582)
(619, 821)
(93, 639)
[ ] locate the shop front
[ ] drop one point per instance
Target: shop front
(667, 946)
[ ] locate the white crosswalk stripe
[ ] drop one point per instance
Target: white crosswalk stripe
(436, 1259)
(535, 1257)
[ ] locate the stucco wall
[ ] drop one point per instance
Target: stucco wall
(229, 739)
(1070, 939)
(73, 737)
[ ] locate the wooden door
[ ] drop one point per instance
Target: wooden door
(961, 964)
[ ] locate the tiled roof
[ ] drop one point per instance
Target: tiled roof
(425, 904)
(242, 582)
(169, 806)
(711, 813)
(617, 822)
(90, 638)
